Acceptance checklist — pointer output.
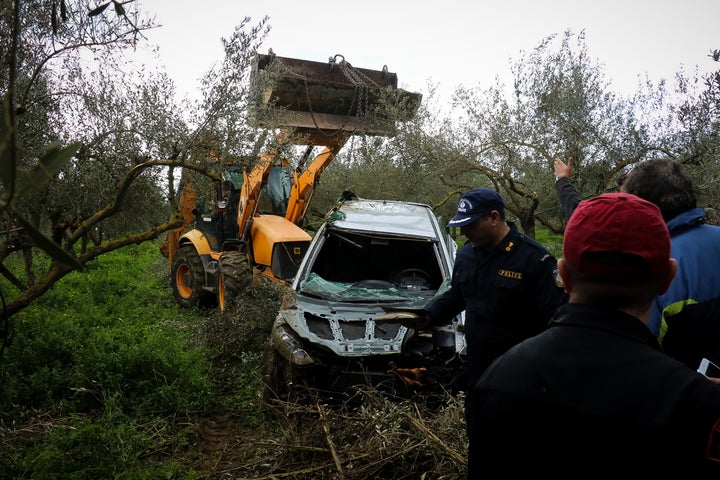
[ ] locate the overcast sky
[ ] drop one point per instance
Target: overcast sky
(447, 42)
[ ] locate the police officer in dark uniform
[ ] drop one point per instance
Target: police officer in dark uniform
(506, 282)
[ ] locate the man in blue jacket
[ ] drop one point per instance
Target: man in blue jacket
(687, 317)
(695, 244)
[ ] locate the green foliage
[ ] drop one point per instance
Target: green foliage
(110, 445)
(237, 340)
(107, 352)
(551, 241)
(108, 331)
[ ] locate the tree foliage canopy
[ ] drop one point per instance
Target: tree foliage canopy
(560, 105)
(94, 150)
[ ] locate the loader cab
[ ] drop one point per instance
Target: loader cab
(276, 192)
(216, 217)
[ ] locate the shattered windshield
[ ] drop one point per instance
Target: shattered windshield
(370, 290)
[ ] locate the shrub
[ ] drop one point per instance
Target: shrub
(97, 368)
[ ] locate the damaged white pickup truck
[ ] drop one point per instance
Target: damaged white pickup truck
(369, 256)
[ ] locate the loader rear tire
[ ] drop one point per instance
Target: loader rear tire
(188, 279)
(235, 277)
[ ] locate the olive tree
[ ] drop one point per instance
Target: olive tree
(506, 139)
(88, 141)
(221, 133)
(560, 105)
(695, 139)
(47, 39)
(408, 166)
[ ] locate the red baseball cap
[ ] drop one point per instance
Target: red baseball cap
(614, 223)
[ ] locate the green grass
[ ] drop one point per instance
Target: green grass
(551, 241)
(107, 377)
(103, 362)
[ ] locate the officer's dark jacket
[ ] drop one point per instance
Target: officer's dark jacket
(508, 294)
(591, 397)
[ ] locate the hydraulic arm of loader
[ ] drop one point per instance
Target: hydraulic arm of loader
(304, 183)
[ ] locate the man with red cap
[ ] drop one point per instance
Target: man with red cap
(594, 396)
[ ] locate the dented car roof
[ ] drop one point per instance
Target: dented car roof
(388, 217)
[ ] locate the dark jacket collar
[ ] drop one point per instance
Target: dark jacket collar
(606, 319)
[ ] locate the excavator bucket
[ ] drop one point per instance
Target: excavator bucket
(327, 97)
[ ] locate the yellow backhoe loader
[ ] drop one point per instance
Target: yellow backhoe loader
(314, 104)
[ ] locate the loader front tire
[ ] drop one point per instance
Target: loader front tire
(188, 279)
(235, 277)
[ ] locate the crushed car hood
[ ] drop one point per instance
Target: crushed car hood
(348, 329)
